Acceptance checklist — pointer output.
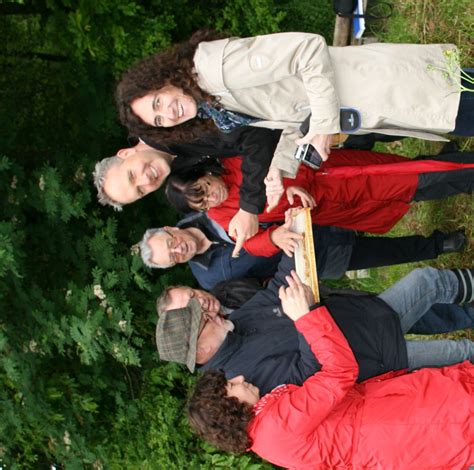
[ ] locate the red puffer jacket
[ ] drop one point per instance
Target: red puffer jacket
(354, 189)
(423, 419)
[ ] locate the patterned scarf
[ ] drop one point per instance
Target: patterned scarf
(276, 393)
(226, 121)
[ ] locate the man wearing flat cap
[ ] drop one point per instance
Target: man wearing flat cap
(189, 335)
(261, 343)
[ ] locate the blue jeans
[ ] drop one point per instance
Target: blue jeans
(465, 117)
(411, 298)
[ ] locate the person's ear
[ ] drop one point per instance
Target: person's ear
(125, 153)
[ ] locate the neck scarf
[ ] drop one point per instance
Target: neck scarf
(226, 121)
(276, 393)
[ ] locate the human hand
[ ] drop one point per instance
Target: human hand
(285, 239)
(296, 298)
(291, 213)
(274, 187)
(243, 226)
(321, 142)
(306, 199)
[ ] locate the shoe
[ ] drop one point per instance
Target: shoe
(450, 147)
(454, 242)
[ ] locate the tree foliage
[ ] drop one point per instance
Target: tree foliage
(81, 385)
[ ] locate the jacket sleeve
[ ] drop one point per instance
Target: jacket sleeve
(261, 243)
(256, 146)
(279, 56)
(303, 409)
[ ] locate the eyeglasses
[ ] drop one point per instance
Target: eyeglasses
(206, 316)
(201, 329)
(172, 243)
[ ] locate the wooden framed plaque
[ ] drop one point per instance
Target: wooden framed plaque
(305, 258)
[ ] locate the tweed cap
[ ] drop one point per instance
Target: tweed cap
(176, 334)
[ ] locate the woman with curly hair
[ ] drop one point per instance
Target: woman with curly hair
(169, 71)
(423, 419)
(278, 80)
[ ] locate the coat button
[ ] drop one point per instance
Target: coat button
(327, 327)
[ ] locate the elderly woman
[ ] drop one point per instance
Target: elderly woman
(423, 419)
(277, 80)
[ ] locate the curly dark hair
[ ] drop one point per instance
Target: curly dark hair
(173, 66)
(182, 188)
(217, 418)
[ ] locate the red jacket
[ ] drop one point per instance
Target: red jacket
(354, 189)
(423, 419)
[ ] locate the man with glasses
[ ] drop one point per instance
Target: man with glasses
(207, 248)
(259, 342)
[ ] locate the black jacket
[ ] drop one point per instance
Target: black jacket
(266, 348)
(256, 147)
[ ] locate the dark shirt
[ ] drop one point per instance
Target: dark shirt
(217, 264)
(267, 350)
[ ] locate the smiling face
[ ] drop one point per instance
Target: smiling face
(242, 390)
(166, 107)
(210, 190)
(173, 246)
(139, 173)
(179, 297)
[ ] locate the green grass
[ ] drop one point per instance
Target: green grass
(428, 21)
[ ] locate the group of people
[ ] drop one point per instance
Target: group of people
(335, 384)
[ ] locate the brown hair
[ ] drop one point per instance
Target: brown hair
(173, 66)
(182, 189)
(217, 418)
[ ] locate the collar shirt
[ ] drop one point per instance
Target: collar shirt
(217, 264)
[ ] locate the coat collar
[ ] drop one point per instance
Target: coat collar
(208, 66)
(232, 343)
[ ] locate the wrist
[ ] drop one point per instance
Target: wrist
(274, 236)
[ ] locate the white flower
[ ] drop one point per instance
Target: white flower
(67, 438)
(98, 292)
(41, 183)
(122, 324)
(79, 175)
(14, 182)
(33, 346)
(97, 465)
(68, 294)
(103, 303)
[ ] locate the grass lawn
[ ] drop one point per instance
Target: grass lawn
(428, 21)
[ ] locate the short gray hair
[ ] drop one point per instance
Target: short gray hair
(163, 300)
(146, 251)
(100, 171)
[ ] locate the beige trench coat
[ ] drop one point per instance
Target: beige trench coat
(283, 77)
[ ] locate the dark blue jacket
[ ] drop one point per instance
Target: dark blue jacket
(217, 264)
(266, 348)
(333, 246)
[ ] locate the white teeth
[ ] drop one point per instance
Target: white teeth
(180, 110)
(154, 172)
